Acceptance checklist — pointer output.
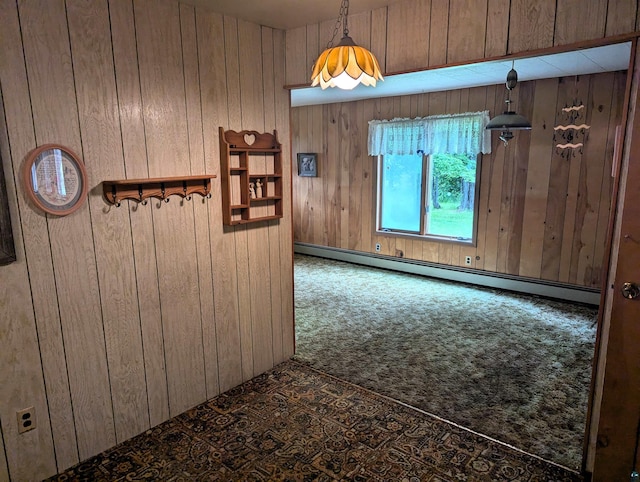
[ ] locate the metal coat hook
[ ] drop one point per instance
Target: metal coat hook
(142, 201)
(184, 189)
(114, 194)
(206, 189)
(164, 196)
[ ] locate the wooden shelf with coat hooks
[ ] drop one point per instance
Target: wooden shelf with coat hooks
(160, 188)
(251, 176)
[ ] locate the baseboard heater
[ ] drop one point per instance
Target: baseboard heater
(548, 289)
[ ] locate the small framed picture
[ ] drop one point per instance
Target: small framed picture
(308, 164)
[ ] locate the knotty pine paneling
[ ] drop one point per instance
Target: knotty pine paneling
(20, 333)
(538, 207)
(378, 36)
(492, 173)
(31, 227)
(162, 85)
(258, 239)
(298, 69)
(531, 25)
(214, 104)
(577, 20)
(606, 191)
(100, 131)
(418, 34)
(438, 32)
(285, 240)
(275, 272)
(495, 43)
(134, 150)
(537, 187)
(407, 35)
(117, 318)
(592, 173)
(621, 17)
(201, 211)
(471, 21)
(239, 232)
(47, 52)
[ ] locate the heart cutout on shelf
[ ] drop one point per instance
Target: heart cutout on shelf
(249, 139)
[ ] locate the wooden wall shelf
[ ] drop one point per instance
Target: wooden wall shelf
(160, 188)
(251, 176)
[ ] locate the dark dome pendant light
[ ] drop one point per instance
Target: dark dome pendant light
(509, 120)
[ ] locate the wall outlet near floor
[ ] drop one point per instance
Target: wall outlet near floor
(26, 419)
(378, 247)
(467, 260)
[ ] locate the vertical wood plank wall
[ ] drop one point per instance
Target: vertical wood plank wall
(541, 216)
(539, 212)
(115, 319)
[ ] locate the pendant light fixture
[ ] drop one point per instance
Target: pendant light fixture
(345, 65)
(509, 120)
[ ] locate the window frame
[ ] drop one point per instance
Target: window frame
(426, 177)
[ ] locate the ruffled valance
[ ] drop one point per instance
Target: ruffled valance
(439, 134)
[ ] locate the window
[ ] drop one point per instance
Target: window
(431, 195)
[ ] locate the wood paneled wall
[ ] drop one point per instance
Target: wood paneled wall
(418, 34)
(542, 215)
(115, 319)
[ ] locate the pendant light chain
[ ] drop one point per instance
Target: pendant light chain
(344, 11)
(342, 19)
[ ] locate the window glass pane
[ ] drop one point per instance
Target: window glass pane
(451, 200)
(401, 192)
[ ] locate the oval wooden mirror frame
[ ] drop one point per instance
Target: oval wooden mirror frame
(42, 171)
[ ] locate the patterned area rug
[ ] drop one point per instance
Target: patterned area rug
(297, 424)
(514, 367)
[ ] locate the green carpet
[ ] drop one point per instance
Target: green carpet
(516, 368)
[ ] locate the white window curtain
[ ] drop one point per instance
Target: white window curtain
(439, 134)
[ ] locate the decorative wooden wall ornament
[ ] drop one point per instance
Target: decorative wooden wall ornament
(571, 136)
(160, 188)
(249, 196)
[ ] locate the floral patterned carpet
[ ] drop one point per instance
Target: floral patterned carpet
(514, 367)
(297, 424)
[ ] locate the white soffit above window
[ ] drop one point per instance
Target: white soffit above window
(608, 58)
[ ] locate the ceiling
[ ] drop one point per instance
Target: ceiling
(287, 14)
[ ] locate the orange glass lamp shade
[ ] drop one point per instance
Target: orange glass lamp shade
(345, 66)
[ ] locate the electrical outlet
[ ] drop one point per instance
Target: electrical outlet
(467, 260)
(378, 247)
(26, 419)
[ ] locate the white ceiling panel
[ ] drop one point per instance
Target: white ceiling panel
(608, 58)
